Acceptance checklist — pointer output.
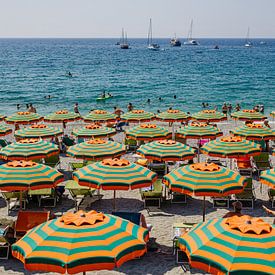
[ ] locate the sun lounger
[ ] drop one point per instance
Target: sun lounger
(261, 162)
(158, 167)
(244, 166)
(13, 200)
(46, 197)
(131, 145)
(3, 143)
(247, 197)
(52, 161)
(4, 242)
(152, 196)
(271, 194)
(176, 197)
(221, 202)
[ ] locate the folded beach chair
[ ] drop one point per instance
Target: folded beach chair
(46, 197)
(271, 195)
(13, 200)
(26, 220)
(153, 196)
(247, 197)
(261, 162)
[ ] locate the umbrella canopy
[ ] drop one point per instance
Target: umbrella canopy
(62, 116)
(4, 130)
(100, 116)
(38, 130)
(231, 147)
(81, 242)
(166, 150)
(23, 118)
(235, 245)
(209, 115)
(199, 130)
(268, 177)
(248, 115)
(115, 174)
(138, 116)
(28, 149)
(96, 149)
(25, 175)
(254, 132)
(148, 132)
(173, 116)
(94, 130)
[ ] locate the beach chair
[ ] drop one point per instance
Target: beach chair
(46, 197)
(52, 161)
(176, 197)
(244, 166)
(67, 141)
(4, 242)
(76, 165)
(261, 163)
(3, 143)
(221, 202)
(12, 200)
(271, 195)
(247, 197)
(131, 145)
(26, 220)
(152, 196)
(158, 167)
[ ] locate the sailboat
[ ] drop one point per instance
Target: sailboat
(124, 43)
(190, 41)
(151, 45)
(248, 43)
(175, 42)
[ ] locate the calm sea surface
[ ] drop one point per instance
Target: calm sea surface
(33, 68)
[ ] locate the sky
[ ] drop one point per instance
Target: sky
(105, 18)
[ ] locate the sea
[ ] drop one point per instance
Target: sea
(178, 77)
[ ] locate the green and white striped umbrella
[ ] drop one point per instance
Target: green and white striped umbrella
(38, 130)
(148, 132)
(198, 130)
(62, 116)
(231, 147)
(96, 149)
(27, 149)
(268, 177)
(138, 116)
(166, 150)
(100, 116)
(173, 116)
(4, 130)
(209, 115)
(254, 132)
(248, 115)
(94, 130)
(23, 118)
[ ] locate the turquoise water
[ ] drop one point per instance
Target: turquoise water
(33, 68)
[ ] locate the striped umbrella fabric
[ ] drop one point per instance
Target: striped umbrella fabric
(115, 174)
(209, 115)
(28, 149)
(94, 130)
(4, 130)
(148, 132)
(96, 149)
(38, 131)
(23, 118)
(166, 150)
(231, 147)
(254, 131)
(100, 116)
(199, 130)
(268, 177)
(62, 116)
(173, 116)
(81, 242)
(138, 116)
(235, 245)
(248, 115)
(24, 175)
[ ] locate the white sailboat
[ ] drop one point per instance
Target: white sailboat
(175, 42)
(151, 45)
(190, 41)
(124, 43)
(248, 43)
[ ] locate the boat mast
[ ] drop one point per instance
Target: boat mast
(191, 30)
(247, 36)
(150, 35)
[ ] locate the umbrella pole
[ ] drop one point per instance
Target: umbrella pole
(203, 213)
(20, 200)
(173, 131)
(199, 150)
(114, 201)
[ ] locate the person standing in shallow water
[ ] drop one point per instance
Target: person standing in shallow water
(130, 107)
(76, 110)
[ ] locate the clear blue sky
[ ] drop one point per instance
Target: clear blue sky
(105, 18)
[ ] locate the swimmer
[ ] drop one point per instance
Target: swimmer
(18, 106)
(149, 100)
(70, 74)
(175, 97)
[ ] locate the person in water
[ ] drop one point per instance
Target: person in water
(18, 106)
(175, 97)
(130, 107)
(109, 94)
(32, 109)
(103, 94)
(76, 110)
(148, 100)
(70, 74)
(238, 107)
(118, 112)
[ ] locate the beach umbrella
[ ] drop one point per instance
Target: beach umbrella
(28, 149)
(96, 149)
(209, 115)
(62, 116)
(4, 130)
(235, 245)
(115, 174)
(138, 116)
(80, 242)
(100, 116)
(38, 130)
(204, 179)
(23, 118)
(148, 132)
(248, 115)
(268, 177)
(166, 150)
(254, 132)
(172, 116)
(94, 130)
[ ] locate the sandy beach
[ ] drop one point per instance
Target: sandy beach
(161, 261)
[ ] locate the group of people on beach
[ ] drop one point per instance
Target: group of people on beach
(30, 108)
